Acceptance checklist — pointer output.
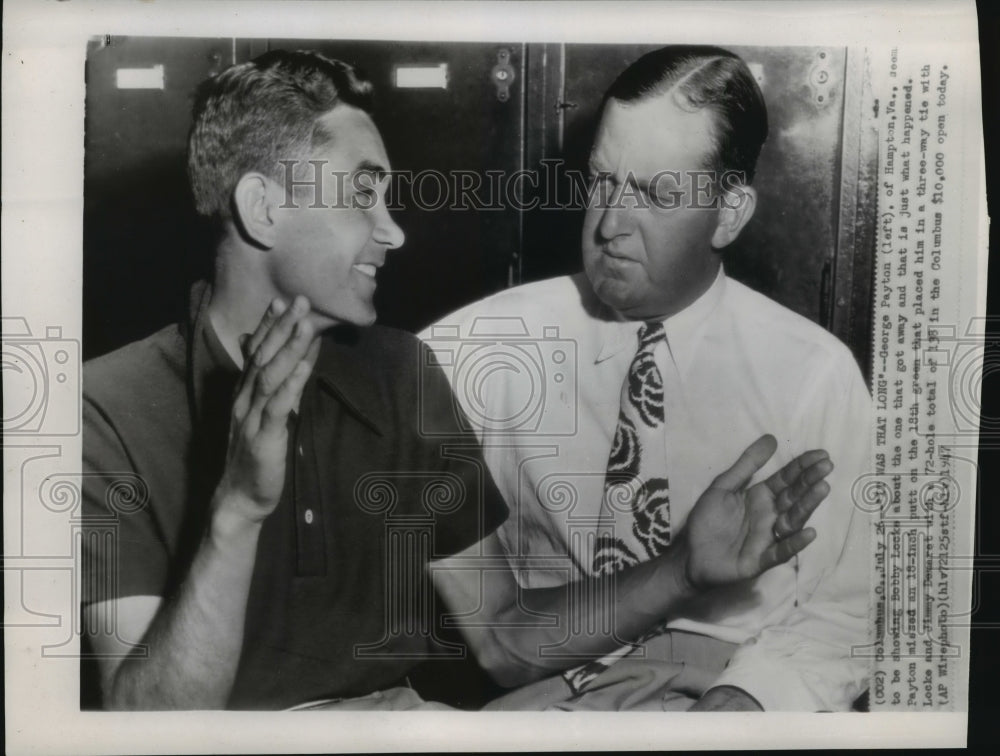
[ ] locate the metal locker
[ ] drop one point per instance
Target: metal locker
(477, 108)
(142, 241)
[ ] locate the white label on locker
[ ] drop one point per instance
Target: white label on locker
(140, 78)
(422, 77)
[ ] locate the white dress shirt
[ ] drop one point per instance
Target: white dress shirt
(539, 370)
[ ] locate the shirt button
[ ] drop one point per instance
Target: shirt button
(309, 517)
(302, 451)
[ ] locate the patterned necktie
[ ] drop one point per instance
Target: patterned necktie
(636, 495)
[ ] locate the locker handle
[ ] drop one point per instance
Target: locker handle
(503, 74)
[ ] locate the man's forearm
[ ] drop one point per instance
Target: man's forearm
(194, 642)
(733, 533)
(631, 602)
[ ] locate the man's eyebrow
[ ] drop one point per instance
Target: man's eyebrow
(661, 178)
(367, 166)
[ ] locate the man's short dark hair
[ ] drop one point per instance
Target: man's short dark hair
(699, 76)
(254, 114)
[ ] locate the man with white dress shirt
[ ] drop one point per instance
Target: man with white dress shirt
(540, 370)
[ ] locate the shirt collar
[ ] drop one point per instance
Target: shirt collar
(683, 329)
(346, 372)
(349, 373)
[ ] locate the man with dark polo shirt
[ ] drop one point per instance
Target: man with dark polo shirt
(223, 572)
(263, 515)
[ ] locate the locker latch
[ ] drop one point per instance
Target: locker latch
(822, 79)
(503, 74)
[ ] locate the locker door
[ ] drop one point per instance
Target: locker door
(142, 242)
(809, 242)
(451, 256)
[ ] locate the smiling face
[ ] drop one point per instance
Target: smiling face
(331, 254)
(650, 257)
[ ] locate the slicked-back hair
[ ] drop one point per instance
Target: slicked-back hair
(700, 76)
(251, 115)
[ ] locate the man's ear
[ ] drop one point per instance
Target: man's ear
(254, 205)
(736, 206)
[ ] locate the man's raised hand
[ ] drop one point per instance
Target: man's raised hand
(279, 357)
(734, 533)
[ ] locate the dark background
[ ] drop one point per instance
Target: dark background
(984, 684)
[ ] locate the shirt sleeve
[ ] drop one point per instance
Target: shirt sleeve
(467, 505)
(814, 660)
(123, 553)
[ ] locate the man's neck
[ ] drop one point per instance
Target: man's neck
(692, 294)
(240, 295)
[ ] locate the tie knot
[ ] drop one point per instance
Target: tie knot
(650, 334)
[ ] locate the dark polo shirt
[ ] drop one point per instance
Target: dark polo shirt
(340, 603)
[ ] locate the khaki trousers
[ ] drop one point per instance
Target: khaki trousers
(677, 668)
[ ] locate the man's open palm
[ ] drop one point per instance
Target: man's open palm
(734, 532)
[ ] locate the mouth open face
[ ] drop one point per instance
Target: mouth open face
(366, 269)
